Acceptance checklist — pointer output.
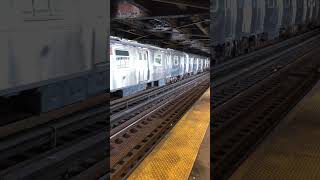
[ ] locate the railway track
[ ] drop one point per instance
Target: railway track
(230, 86)
(120, 105)
(150, 101)
(222, 71)
(31, 153)
(73, 145)
(69, 144)
(138, 134)
(246, 108)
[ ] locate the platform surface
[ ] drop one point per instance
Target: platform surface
(292, 150)
(173, 158)
(201, 166)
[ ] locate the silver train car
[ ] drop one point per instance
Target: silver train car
(134, 66)
(237, 23)
(54, 47)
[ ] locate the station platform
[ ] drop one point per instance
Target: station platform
(182, 153)
(292, 150)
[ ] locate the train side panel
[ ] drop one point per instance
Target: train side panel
(135, 66)
(40, 43)
(53, 50)
(240, 26)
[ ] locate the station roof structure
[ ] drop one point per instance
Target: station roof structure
(177, 24)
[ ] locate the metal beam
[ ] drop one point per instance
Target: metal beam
(199, 25)
(162, 39)
(160, 17)
(179, 33)
(141, 29)
(127, 31)
(202, 21)
(184, 3)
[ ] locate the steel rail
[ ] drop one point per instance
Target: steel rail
(130, 145)
(30, 150)
(122, 104)
(241, 123)
(228, 87)
(119, 121)
(255, 56)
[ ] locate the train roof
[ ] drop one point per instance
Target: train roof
(114, 40)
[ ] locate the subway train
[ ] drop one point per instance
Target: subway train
(135, 66)
(53, 53)
(239, 26)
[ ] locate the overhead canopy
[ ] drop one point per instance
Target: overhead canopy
(176, 24)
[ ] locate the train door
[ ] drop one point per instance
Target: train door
(239, 19)
(247, 21)
(162, 68)
(254, 17)
(187, 64)
(261, 11)
(205, 64)
(157, 65)
(218, 25)
(271, 19)
(182, 64)
(299, 12)
(201, 64)
(280, 9)
(168, 64)
(230, 18)
(191, 64)
(286, 13)
(293, 12)
(305, 10)
(143, 65)
(120, 68)
(316, 14)
(175, 65)
(312, 4)
(195, 65)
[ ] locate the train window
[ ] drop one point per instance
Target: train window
(122, 58)
(122, 53)
(143, 56)
(191, 60)
(140, 56)
(157, 58)
(175, 60)
(41, 9)
(122, 62)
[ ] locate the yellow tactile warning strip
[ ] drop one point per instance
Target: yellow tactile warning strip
(174, 156)
(292, 151)
(201, 166)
